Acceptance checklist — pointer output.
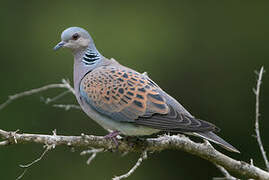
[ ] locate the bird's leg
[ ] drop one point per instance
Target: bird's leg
(113, 136)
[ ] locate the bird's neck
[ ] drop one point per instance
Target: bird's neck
(90, 56)
(85, 60)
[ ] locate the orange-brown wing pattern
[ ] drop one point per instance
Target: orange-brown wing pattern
(122, 93)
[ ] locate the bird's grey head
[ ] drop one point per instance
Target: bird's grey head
(75, 38)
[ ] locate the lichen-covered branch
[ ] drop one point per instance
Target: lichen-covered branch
(99, 144)
(178, 142)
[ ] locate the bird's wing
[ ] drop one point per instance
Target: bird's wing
(121, 93)
(128, 96)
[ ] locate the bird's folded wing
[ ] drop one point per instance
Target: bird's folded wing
(125, 95)
(122, 93)
(175, 121)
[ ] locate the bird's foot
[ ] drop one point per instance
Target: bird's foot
(113, 136)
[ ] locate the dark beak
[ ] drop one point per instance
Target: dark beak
(59, 45)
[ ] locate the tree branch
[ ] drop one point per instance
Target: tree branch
(226, 174)
(93, 153)
(257, 128)
(64, 84)
(27, 166)
(178, 142)
(143, 156)
(67, 106)
(100, 144)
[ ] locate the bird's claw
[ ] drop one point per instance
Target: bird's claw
(113, 136)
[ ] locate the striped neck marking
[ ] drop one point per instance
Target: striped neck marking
(91, 57)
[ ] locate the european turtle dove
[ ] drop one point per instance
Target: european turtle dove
(124, 101)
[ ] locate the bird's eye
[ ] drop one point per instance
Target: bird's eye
(75, 36)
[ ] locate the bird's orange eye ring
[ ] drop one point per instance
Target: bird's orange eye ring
(75, 36)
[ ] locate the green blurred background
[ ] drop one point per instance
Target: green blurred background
(203, 53)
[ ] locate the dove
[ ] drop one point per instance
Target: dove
(124, 101)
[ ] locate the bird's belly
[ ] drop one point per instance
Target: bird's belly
(125, 128)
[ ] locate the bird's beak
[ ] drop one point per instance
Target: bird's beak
(59, 45)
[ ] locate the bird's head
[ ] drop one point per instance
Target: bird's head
(75, 38)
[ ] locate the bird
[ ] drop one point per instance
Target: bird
(124, 101)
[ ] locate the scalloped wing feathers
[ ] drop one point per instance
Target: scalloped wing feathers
(128, 96)
(122, 93)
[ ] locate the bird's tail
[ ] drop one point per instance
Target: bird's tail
(216, 139)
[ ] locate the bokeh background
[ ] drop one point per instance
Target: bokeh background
(203, 53)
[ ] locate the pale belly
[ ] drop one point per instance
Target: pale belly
(128, 129)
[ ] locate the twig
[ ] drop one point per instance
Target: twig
(251, 162)
(36, 160)
(27, 166)
(93, 153)
(64, 84)
(257, 128)
(68, 86)
(4, 143)
(66, 106)
(22, 174)
(226, 174)
(177, 142)
(50, 100)
(131, 171)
